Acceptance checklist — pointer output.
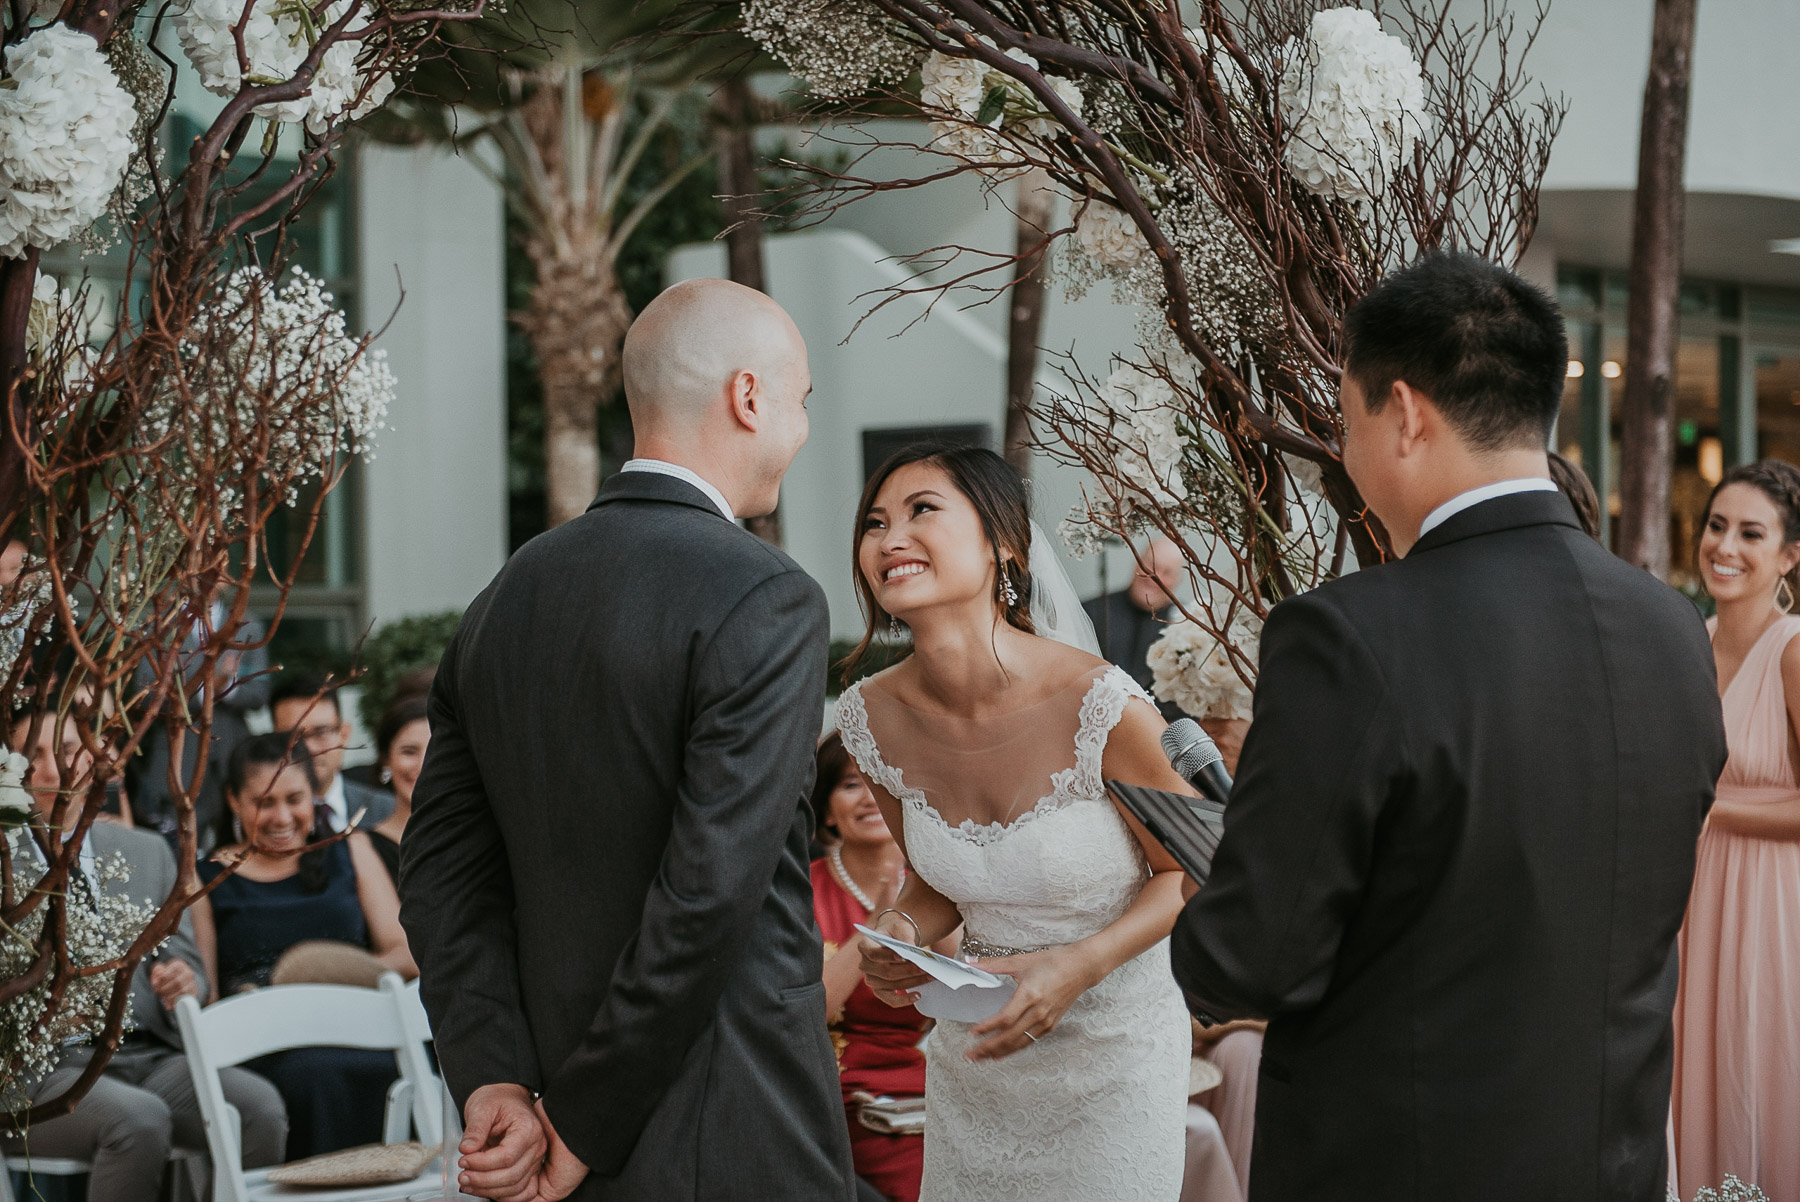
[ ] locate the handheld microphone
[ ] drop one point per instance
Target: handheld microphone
(1197, 759)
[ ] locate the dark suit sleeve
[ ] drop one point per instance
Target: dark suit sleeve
(456, 904)
(1262, 936)
(157, 869)
(249, 688)
(758, 701)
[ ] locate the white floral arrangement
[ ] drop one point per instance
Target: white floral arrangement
(278, 35)
(1732, 1190)
(978, 101)
(1144, 413)
(841, 48)
(329, 393)
(65, 138)
(15, 799)
(1193, 668)
(1109, 236)
(1354, 98)
(95, 934)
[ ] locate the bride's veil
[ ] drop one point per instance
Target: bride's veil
(1055, 609)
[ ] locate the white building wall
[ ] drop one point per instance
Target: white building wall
(430, 226)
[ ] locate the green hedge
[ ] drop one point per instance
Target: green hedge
(396, 649)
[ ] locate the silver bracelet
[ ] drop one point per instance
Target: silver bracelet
(918, 931)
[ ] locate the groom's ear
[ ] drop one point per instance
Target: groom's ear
(743, 394)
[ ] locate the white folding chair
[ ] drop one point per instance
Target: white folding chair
(409, 1109)
(30, 1166)
(274, 1020)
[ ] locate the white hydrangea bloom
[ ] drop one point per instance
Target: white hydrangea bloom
(1145, 415)
(841, 48)
(1193, 669)
(65, 138)
(15, 801)
(1354, 99)
(1110, 237)
(276, 43)
(289, 365)
(1306, 473)
(1069, 93)
(953, 85)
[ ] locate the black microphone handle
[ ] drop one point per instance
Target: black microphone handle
(1214, 782)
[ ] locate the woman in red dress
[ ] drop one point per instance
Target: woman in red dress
(877, 1045)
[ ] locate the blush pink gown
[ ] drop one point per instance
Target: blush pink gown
(1736, 1100)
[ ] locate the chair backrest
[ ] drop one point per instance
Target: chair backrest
(273, 1020)
(427, 1104)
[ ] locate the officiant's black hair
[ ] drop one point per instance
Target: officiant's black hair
(1485, 345)
(998, 493)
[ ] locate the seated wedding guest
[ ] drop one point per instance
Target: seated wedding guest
(1235, 1050)
(278, 903)
(1573, 483)
(306, 703)
(144, 1101)
(877, 1045)
(415, 682)
(1128, 621)
(1736, 1101)
(400, 742)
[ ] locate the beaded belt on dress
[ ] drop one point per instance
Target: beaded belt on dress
(974, 947)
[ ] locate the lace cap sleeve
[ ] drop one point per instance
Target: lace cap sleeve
(1105, 704)
(852, 717)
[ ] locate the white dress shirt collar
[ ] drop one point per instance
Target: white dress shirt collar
(1475, 496)
(663, 467)
(334, 802)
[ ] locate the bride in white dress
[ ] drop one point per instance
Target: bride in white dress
(987, 748)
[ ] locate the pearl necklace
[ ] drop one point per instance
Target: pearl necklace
(836, 856)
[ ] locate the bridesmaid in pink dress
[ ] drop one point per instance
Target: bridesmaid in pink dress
(1736, 1099)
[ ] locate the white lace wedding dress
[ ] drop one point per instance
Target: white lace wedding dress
(1095, 1110)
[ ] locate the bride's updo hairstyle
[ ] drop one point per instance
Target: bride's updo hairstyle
(998, 494)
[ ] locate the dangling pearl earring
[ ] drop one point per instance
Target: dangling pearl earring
(387, 776)
(893, 627)
(1007, 592)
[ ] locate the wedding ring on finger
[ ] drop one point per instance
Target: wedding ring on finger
(1031, 1037)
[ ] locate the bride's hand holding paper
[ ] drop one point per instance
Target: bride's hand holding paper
(889, 975)
(1048, 984)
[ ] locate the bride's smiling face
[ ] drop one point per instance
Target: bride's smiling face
(923, 545)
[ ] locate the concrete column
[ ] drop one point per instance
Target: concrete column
(431, 241)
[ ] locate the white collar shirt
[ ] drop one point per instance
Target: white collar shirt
(1475, 496)
(333, 803)
(663, 467)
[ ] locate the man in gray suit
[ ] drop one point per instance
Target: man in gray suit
(308, 704)
(604, 879)
(145, 1100)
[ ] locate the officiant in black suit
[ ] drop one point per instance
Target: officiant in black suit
(1462, 836)
(605, 878)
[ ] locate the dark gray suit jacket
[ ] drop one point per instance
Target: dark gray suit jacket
(1454, 865)
(604, 879)
(152, 868)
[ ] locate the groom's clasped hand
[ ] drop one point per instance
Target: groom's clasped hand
(510, 1151)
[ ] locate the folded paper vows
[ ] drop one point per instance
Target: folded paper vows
(956, 991)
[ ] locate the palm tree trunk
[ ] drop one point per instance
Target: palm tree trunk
(1025, 318)
(1652, 318)
(735, 115)
(576, 322)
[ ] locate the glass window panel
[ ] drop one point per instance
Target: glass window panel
(1578, 287)
(1774, 307)
(1778, 404)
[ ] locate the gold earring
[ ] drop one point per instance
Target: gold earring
(1787, 606)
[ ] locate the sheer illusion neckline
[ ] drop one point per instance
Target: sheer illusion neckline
(1101, 704)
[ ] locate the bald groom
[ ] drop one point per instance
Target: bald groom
(604, 880)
